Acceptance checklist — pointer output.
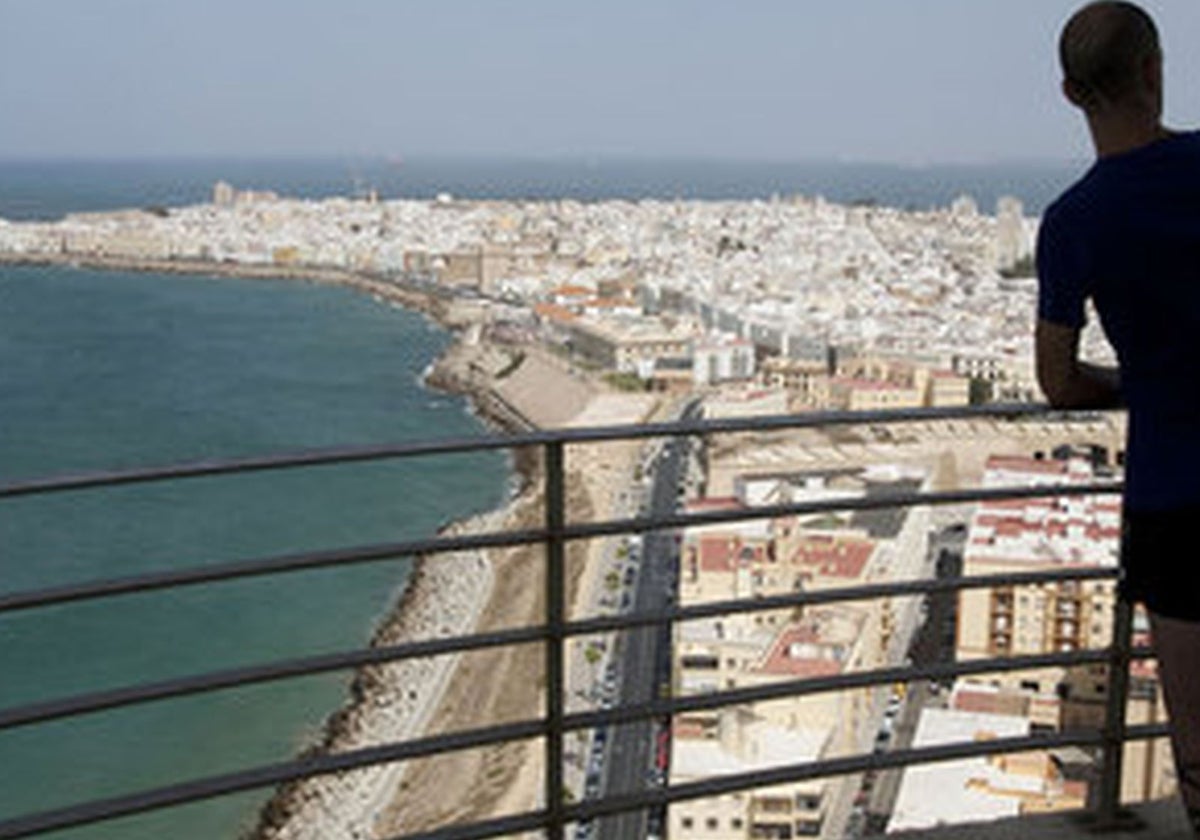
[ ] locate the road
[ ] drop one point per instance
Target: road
(934, 642)
(644, 654)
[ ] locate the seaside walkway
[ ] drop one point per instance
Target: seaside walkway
(552, 727)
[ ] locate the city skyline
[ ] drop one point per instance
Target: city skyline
(957, 83)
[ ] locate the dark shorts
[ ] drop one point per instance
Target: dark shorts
(1159, 554)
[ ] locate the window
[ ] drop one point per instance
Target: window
(686, 822)
(711, 824)
(735, 823)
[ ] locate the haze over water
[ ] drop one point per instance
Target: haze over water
(48, 190)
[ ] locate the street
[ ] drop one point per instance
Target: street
(644, 655)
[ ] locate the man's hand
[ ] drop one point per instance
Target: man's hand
(1066, 381)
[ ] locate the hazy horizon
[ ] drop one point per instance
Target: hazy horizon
(578, 158)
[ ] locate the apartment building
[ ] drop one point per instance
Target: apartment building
(729, 653)
(771, 557)
(1057, 532)
(1027, 535)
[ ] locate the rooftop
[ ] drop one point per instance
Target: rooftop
(1160, 820)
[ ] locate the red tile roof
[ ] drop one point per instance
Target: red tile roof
(553, 312)
(842, 558)
(814, 660)
(713, 503)
(716, 554)
(1022, 463)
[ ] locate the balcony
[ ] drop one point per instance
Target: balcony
(556, 817)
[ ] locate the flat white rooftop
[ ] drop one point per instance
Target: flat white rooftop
(941, 794)
(1160, 820)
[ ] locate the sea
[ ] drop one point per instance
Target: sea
(111, 370)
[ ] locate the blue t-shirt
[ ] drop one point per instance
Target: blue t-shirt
(1127, 235)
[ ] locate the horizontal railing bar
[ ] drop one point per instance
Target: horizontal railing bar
(240, 781)
(498, 827)
(814, 597)
(234, 466)
(305, 561)
(215, 786)
(42, 712)
(595, 434)
(836, 682)
(232, 678)
(1146, 731)
(842, 766)
(881, 502)
(657, 797)
(498, 539)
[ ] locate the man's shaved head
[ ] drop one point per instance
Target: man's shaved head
(1103, 50)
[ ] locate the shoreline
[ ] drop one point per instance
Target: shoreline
(393, 701)
(418, 301)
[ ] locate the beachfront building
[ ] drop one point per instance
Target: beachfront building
(628, 345)
(722, 359)
(806, 381)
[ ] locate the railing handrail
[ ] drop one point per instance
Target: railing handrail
(39, 712)
(214, 572)
(327, 456)
(555, 533)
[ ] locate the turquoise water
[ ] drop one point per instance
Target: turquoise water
(107, 370)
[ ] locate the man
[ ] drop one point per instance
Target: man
(1127, 237)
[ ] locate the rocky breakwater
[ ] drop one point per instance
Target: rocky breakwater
(446, 596)
(388, 703)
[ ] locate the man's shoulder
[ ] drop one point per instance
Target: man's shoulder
(1072, 208)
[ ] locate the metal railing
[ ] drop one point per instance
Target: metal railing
(555, 534)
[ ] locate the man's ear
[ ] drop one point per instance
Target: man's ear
(1077, 94)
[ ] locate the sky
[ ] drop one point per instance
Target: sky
(917, 82)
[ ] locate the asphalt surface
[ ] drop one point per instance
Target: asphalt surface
(644, 656)
(934, 642)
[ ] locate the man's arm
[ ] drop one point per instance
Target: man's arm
(1066, 381)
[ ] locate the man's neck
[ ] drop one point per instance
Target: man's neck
(1116, 136)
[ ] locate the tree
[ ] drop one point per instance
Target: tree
(981, 391)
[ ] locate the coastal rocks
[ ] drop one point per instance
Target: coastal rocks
(389, 703)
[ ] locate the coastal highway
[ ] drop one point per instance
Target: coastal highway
(644, 654)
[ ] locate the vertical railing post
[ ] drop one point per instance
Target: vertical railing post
(555, 624)
(1107, 814)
